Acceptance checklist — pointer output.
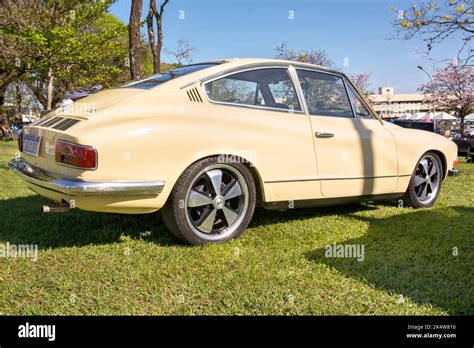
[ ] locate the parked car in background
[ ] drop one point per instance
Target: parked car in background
(469, 130)
(206, 143)
(463, 141)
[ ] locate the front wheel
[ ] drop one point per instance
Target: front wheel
(425, 182)
(211, 202)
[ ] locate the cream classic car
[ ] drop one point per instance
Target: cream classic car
(206, 143)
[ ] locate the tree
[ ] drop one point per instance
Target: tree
(452, 89)
(10, 69)
(64, 45)
(182, 51)
(8, 74)
(318, 57)
(156, 43)
(435, 22)
(135, 39)
(361, 81)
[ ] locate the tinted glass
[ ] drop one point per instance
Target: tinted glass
(158, 79)
(325, 94)
(262, 87)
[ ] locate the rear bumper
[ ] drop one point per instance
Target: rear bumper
(37, 177)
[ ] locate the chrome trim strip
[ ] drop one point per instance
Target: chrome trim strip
(299, 90)
(331, 179)
(36, 176)
(344, 83)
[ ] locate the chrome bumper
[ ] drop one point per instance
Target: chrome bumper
(37, 177)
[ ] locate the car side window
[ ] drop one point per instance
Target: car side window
(325, 94)
(272, 88)
(359, 108)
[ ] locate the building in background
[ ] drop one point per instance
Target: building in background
(388, 104)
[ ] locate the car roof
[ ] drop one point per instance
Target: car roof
(271, 61)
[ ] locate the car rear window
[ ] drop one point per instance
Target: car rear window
(158, 79)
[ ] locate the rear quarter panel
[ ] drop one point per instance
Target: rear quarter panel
(156, 136)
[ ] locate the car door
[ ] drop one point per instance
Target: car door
(262, 103)
(355, 154)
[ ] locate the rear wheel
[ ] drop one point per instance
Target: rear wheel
(211, 202)
(425, 182)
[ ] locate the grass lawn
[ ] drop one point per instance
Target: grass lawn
(91, 263)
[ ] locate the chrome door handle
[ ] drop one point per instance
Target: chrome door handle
(323, 135)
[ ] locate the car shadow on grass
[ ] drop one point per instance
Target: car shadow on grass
(264, 217)
(22, 222)
(413, 255)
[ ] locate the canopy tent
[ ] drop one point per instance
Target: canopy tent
(423, 115)
(444, 116)
(406, 116)
(433, 116)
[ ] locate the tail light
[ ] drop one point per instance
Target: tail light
(20, 141)
(75, 155)
(455, 163)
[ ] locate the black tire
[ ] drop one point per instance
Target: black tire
(182, 216)
(415, 192)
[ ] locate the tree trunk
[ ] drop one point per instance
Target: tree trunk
(156, 44)
(159, 44)
(19, 99)
(50, 89)
(2, 95)
(38, 92)
(134, 39)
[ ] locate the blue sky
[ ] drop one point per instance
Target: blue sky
(359, 30)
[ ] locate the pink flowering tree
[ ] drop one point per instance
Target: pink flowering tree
(362, 82)
(452, 89)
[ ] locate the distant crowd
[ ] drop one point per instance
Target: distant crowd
(10, 128)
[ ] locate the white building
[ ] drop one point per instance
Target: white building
(388, 104)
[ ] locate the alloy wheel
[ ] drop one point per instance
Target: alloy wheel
(427, 179)
(216, 202)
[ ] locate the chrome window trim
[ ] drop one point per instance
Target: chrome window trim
(299, 90)
(262, 107)
(354, 114)
(350, 87)
(366, 104)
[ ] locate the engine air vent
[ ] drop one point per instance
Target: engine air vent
(52, 121)
(41, 121)
(193, 95)
(65, 123)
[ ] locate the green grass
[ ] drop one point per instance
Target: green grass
(92, 263)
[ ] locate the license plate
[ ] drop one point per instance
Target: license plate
(31, 144)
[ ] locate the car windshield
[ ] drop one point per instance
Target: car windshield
(158, 79)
